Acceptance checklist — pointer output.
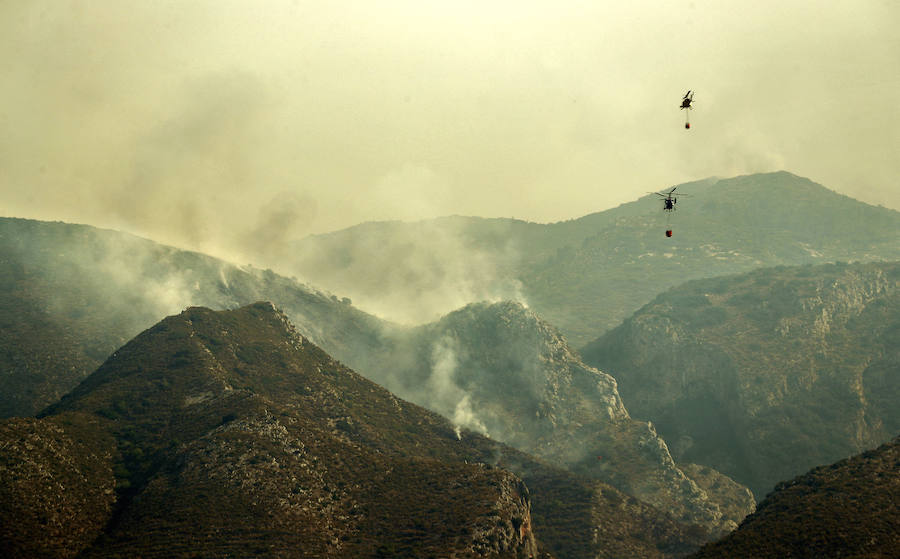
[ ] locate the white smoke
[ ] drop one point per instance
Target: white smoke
(416, 272)
(137, 277)
(446, 396)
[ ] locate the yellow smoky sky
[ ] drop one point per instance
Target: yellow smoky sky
(220, 125)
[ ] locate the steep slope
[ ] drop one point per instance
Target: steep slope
(262, 473)
(56, 485)
(847, 509)
(71, 294)
(765, 374)
(228, 434)
(587, 275)
(501, 370)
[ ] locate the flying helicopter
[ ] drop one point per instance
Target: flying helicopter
(669, 200)
(686, 104)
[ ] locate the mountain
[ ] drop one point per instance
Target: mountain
(766, 374)
(227, 433)
(57, 486)
(587, 275)
(501, 370)
(70, 295)
(847, 509)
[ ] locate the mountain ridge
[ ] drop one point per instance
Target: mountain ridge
(586, 275)
(227, 432)
(501, 370)
(84, 292)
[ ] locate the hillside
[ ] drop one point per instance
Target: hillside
(71, 294)
(846, 509)
(501, 370)
(228, 433)
(587, 275)
(766, 374)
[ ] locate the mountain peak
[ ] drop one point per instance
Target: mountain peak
(587, 274)
(505, 312)
(226, 433)
(200, 356)
(236, 411)
(74, 294)
(500, 369)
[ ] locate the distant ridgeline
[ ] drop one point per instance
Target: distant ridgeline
(586, 275)
(91, 290)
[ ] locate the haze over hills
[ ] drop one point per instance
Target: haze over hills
(766, 374)
(587, 275)
(846, 509)
(97, 289)
(73, 291)
(71, 294)
(501, 370)
(226, 433)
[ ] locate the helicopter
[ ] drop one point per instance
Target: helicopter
(686, 104)
(669, 201)
(668, 198)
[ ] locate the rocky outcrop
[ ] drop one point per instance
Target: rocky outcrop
(734, 499)
(767, 374)
(500, 370)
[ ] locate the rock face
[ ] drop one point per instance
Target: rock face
(228, 434)
(500, 370)
(766, 374)
(847, 509)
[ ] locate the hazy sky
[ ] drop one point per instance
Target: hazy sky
(219, 125)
